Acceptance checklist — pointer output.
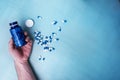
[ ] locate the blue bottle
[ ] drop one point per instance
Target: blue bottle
(17, 34)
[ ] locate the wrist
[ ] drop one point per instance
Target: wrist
(21, 62)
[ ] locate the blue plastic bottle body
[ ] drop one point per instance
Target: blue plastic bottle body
(18, 36)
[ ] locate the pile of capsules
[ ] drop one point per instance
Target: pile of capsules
(45, 41)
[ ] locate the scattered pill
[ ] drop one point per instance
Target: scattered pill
(64, 21)
(59, 29)
(37, 32)
(39, 41)
(50, 40)
(56, 39)
(43, 40)
(54, 22)
(46, 37)
(37, 38)
(43, 58)
(53, 48)
(29, 23)
(50, 50)
(40, 57)
(39, 17)
(41, 36)
(46, 47)
(50, 37)
(54, 34)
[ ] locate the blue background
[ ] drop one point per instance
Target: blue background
(89, 46)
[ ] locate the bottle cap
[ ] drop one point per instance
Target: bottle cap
(13, 24)
(29, 23)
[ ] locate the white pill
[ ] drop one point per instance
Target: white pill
(29, 23)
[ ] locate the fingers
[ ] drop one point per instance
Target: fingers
(25, 33)
(27, 39)
(29, 43)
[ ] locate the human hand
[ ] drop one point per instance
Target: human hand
(21, 54)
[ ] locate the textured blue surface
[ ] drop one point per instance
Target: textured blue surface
(89, 46)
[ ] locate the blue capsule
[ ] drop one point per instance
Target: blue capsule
(50, 50)
(50, 40)
(39, 17)
(50, 37)
(43, 58)
(59, 29)
(37, 38)
(54, 22)
(37, 32)
(45, 42)
(54, 34)
(39, 41)
(46, 37)
(46, 48)
(64, 21)
(41, 37)
(39, 58)
(57, 39)
(37, 35)
(53, 48)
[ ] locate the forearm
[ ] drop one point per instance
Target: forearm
(24, 71)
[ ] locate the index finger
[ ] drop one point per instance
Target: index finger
(25, 33)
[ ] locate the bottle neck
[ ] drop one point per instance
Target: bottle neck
(12, 27)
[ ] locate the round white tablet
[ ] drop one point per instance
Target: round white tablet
(29, 23)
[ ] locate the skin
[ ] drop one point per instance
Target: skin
(21, 56)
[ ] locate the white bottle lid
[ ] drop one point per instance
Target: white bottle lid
(29, 23)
